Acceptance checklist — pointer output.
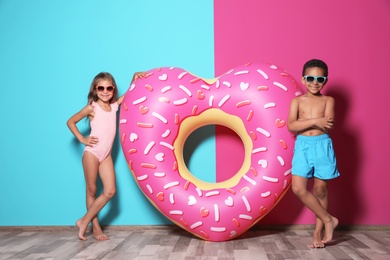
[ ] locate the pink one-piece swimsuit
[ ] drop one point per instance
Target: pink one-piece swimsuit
(103, 126)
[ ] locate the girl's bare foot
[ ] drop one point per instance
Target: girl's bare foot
(330, 226)
(82, 229)
(101, 236)
(98, 232)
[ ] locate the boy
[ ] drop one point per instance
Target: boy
(311, 117)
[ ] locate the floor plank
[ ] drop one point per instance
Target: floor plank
(173, 243)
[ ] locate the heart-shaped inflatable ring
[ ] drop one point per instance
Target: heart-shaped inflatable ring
(159, 113)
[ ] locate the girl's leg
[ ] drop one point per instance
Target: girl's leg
(299, 187)
(320, 190)
(91, 168)
(107, 175)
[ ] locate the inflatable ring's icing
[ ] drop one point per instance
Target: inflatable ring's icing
(159, 113)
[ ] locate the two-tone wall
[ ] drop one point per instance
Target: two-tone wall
(50, 51)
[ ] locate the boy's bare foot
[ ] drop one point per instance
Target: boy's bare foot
(330, 226)
(317, 237)
(100, 236)
(317, 244)
(82, 228)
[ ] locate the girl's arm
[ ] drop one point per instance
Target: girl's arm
(120, 99)
(137, 75)
(71, 123)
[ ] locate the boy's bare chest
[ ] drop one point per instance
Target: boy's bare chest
(312, 108)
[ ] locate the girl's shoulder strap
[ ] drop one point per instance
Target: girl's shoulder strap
(95, 105)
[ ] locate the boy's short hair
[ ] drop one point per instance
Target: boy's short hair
(315, 63)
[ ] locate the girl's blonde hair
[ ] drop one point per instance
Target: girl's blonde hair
(92, 95)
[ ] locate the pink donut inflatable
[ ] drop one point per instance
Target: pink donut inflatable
(159, 113)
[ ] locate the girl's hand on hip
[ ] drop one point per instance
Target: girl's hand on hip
(91, 141)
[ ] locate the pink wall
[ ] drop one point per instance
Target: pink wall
(354, 39)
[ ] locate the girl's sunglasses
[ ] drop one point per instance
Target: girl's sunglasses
(319, 79)
(101, 88)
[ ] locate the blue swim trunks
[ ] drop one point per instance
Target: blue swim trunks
(314, 157)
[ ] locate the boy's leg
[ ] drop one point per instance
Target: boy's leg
(320, 190)
(299, 187)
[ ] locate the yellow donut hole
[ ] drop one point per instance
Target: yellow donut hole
(216, 117)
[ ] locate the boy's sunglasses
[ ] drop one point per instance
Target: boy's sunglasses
(101, 88)
(319, 79)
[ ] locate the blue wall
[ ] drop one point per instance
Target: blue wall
(49, 53)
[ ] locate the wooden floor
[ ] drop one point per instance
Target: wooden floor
(173, 243)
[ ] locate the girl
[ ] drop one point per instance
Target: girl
(101, 111)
